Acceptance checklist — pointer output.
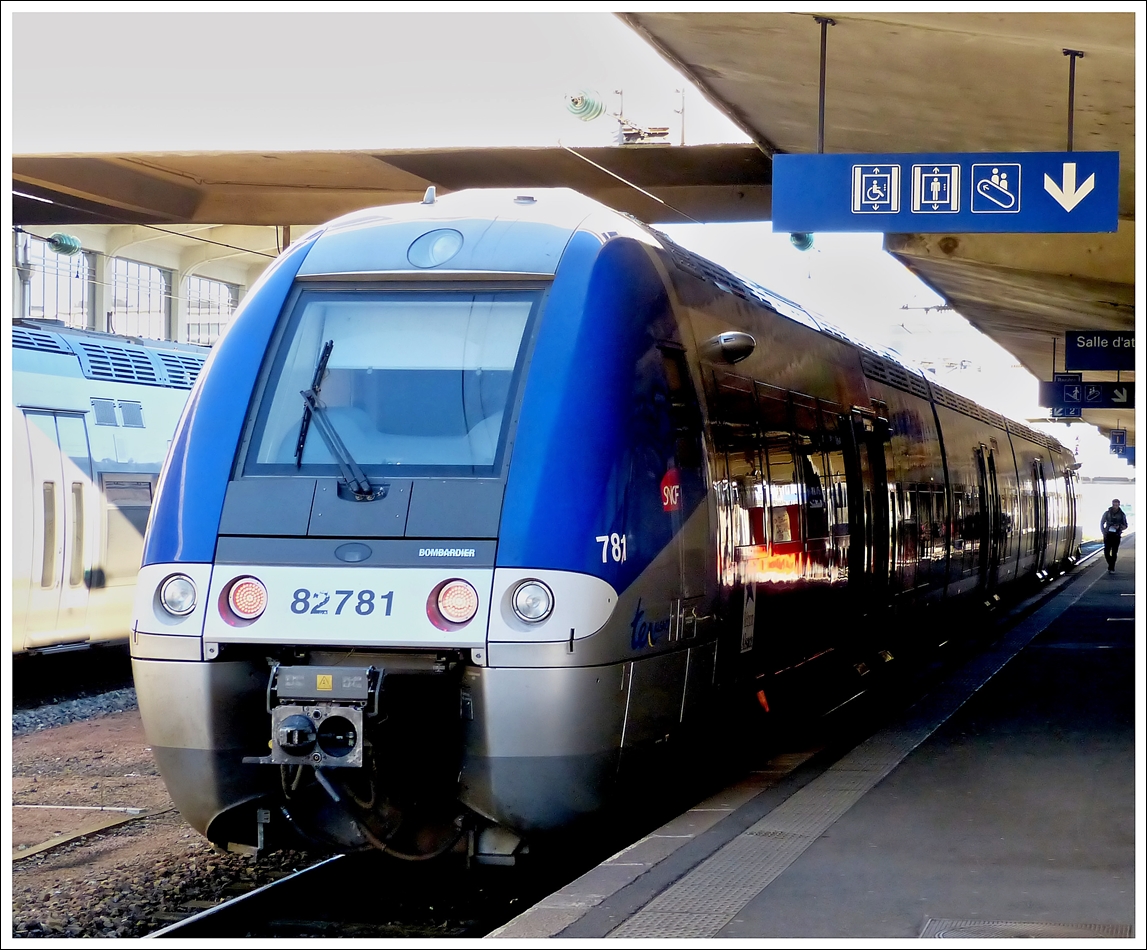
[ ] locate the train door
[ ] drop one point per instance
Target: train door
(869, 520)
(742, 509)
(671, 687)
(1039, 535)
(1072, 513)
(61, 537)
(907, 537)
(991, 535)
(683, 491)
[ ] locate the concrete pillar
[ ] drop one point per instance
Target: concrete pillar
(23, 274)
(101, 292)
(177, 320)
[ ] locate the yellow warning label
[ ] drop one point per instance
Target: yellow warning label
(324, 681)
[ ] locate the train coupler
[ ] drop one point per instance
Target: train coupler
(318, 714)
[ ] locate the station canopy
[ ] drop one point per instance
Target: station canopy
(895, 82)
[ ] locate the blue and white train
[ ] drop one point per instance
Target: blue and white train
(481, 497)
(93, 417)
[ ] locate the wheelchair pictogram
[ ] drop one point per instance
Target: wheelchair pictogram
(875, 189)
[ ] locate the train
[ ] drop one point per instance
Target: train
(93, 417)
(481, 499)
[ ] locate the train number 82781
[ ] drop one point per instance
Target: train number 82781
(363, 603)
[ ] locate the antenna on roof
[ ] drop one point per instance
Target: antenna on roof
(428, 198)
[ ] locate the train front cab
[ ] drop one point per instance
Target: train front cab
(346, 584)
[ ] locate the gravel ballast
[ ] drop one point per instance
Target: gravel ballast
(88, 758)
(72, 710)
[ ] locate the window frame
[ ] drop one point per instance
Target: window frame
(278, 351)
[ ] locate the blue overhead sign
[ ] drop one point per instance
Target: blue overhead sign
(1099, 349)
(1092, 395)
(1045, 192)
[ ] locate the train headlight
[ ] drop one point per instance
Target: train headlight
(178, 595)
(458, 602)
(247, 598)
(435, 247)
(533, 601)
(452, 604)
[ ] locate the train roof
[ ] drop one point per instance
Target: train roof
(506, 231)
(107, 356)
(524, 231)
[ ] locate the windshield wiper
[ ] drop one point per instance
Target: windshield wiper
(313, 410)
(316, 384)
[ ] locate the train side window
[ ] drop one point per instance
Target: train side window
(48, 567)
(925, 534)
(835, 488)
(784, 483)
(76, 574)
(105, 412)
(784, 494)
(735, 434)
(908, 534)
(684, 413)
(957, 524)
(73, 439)
(814, 474)
(970, 531)
(128, 506)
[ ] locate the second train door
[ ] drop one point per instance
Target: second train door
(1039, 485)
(991, 517)
(869, 519)
(61, 503)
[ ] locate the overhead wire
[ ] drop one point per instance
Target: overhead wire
(629, 183)
(192, 237)
(195, 237)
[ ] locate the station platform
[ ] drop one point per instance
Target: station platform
(1001, 804)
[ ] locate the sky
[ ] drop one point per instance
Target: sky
(121, 77)
(338, 80)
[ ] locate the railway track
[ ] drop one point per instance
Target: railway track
(369, 895)
(55, 677)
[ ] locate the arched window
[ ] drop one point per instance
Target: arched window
(58, 285)
(140, 299)
(210, 304)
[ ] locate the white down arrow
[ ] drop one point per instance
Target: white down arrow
(1068, 196)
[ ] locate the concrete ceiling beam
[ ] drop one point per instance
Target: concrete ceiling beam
(1102, 257)
(108, 183)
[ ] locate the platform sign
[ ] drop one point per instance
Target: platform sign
(1073, 395)
(1118, 441)
(1067, 412)
(1099, 349)
(953, 193)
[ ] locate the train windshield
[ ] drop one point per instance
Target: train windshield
(418, 382)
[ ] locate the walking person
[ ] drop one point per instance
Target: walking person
(1112, 524)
